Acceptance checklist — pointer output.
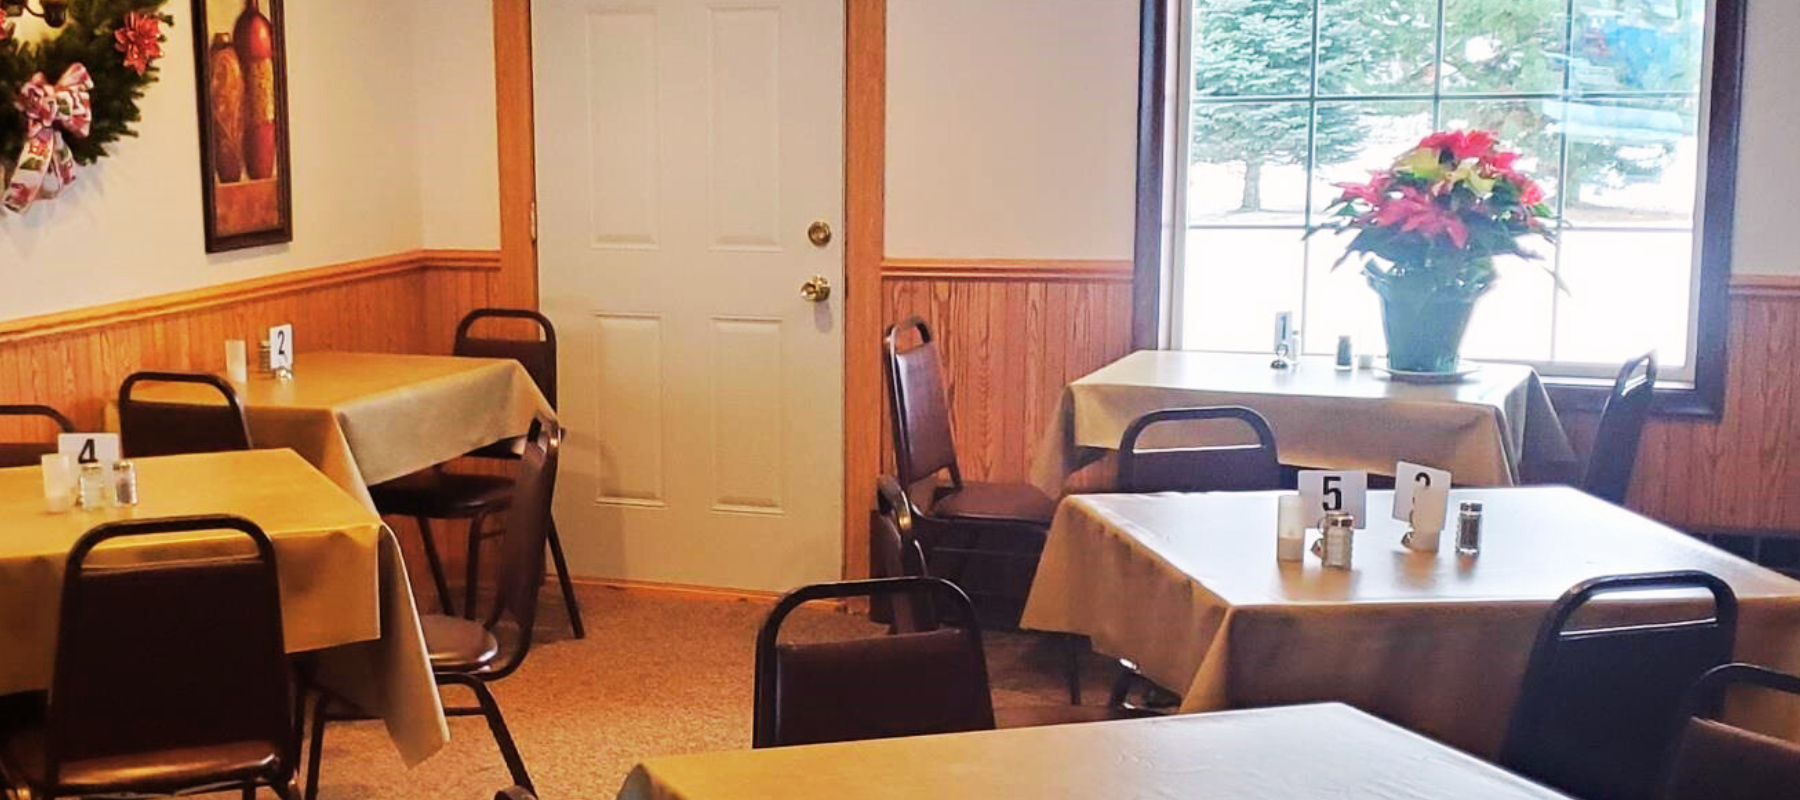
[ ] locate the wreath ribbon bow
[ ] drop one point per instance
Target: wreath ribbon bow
(51, 110)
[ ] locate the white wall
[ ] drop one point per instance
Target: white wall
(360, 86)
(1768, 171)
(1011, 131)
(1012, 128)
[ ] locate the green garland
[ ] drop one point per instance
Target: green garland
(87, 38)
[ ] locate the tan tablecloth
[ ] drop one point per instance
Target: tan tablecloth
(1303, 752)
(365, 418)
(1187, 586)
(344, 592)
(1481, 430)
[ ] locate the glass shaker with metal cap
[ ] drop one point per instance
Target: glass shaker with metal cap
(1335, 547)
(1468, 528)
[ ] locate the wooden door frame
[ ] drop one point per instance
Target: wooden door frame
(516, 136)
(865, 217)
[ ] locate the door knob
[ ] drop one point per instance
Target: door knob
(819, 233)
(817, 290)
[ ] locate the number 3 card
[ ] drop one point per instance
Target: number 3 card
(1323, 492)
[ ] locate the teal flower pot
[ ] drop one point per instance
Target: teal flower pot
(1424, 329)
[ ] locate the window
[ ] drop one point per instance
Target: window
(1607, 100)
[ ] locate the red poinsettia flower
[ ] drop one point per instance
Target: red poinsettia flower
(1462, 144)
(139, 38)
(1373, 192)
(1416, 212)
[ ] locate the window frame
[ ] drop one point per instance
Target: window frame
(1163, 84)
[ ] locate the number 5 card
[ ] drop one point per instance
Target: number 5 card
(1323, 492)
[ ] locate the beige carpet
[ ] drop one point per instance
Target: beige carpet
(659, 673)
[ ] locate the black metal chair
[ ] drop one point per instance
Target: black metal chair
(437, 494)
(467, 653)
(984, 536)
(1595, 709)
(1244, 467)
(1621, 427)
(149, 428)
(170, 676)
(26, 454)
(896, 553)
(1711, 760)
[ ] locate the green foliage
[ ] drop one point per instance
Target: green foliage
(87, 39)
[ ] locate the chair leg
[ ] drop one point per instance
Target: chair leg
(490, 709)
(437, 567)
(568, 586)
(249, 792)
(472, 581)
(316, 754)
(1072, 666)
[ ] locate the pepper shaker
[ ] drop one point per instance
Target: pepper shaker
(1468, 528)
(125, 483)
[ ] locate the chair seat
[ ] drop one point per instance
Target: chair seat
(505, 449)
(454, 644)
(169, 770)
(436, 494)
(1005, 502)
(1038, 716)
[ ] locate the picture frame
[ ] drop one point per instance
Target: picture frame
(240, 55)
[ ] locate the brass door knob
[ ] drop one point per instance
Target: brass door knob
(819, 233)
(817, 290)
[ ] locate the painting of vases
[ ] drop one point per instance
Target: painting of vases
(243, 123)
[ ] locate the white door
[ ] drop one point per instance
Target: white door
(684, 150)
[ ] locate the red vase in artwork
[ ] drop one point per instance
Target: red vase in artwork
(254, 37)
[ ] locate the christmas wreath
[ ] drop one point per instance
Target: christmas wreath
(65, 98)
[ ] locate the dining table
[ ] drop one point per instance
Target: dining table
(368, 418)
(346, 605)
(1187, 586)
(1488, 428)
(1307, 751)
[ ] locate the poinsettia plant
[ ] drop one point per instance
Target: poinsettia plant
(1441, 213)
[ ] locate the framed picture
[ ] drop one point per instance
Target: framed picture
(246, 190)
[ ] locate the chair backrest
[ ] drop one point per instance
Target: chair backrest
(1621, 426)
(1595, 711)
(528, 518)
(1245, 467)
(897, 553)
(903, 684)
(923, 444)
(25, 454)
(167, 429)
(182, 650)
(537, 355)
(1714, 761)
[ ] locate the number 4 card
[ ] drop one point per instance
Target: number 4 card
(1323, 492)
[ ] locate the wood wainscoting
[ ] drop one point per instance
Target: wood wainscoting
(406, 302)
(1013, 333)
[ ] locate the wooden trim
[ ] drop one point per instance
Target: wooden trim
(285, 283)
(1154, 71)
(1765, 285)
(1718, 214)
(865, 225)
(1009, 269)
(515, 132)
(686, 591)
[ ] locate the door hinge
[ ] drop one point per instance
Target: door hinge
(534, 221)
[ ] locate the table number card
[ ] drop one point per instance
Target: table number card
(281, 348)
(84, 447)
(1412, 482)
(1323, 492)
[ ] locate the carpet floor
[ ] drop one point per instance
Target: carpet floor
(659, 673)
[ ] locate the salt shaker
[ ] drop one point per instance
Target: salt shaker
(1468, 528)
(1334, 548)
(125, 484)
(94, 487)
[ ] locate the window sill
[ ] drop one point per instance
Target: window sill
(1676, 400)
